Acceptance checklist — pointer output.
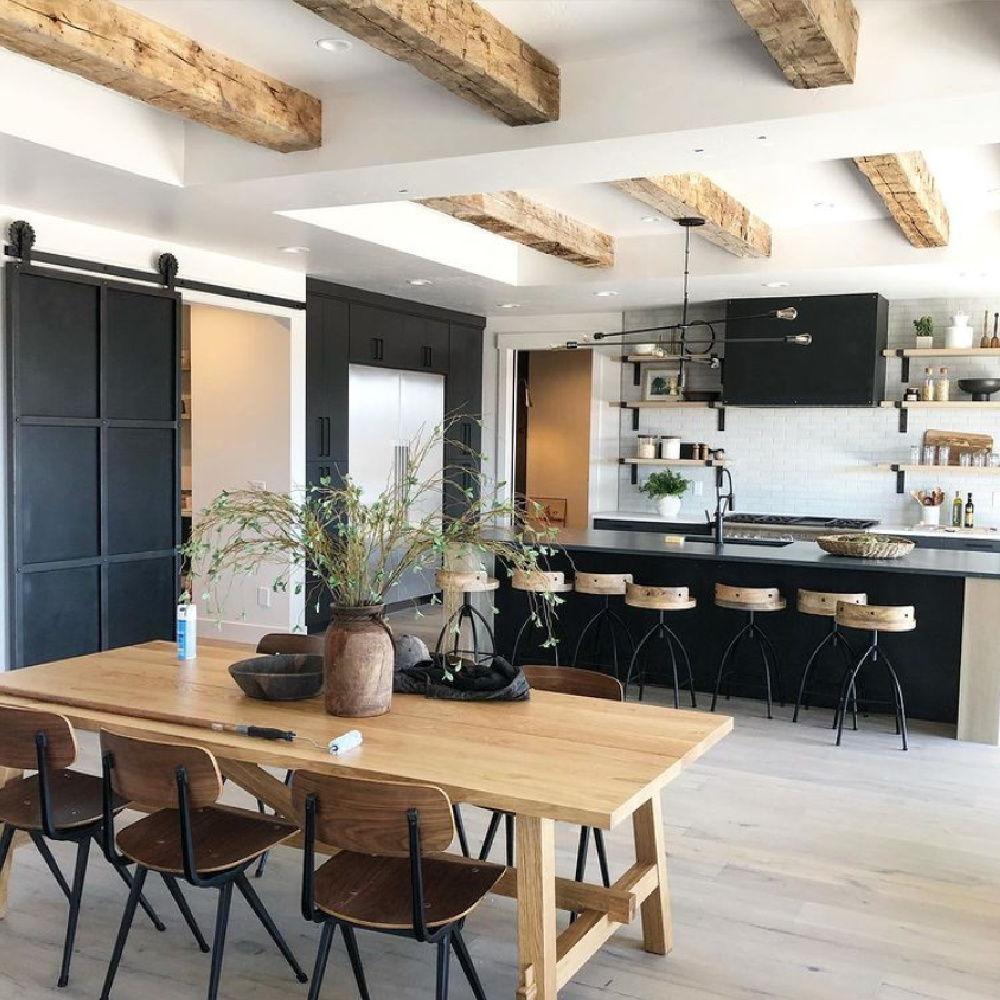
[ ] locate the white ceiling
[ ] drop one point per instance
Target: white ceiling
(645, 84)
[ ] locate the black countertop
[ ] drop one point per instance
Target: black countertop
(921, 561)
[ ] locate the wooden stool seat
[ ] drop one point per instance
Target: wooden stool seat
(603, 584)
(371, 891)
(749, 598)
(222, 839)
(659, 598)
(876, 618)
(465, 581)
(541, 582)
(77, 800)
(824, 603)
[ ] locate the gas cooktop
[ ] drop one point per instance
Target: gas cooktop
(842, 523)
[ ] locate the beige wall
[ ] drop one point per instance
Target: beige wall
(558, 459)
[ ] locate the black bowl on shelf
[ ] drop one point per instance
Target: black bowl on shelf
(979, 388)
(279, 677)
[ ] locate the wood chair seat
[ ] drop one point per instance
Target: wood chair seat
(877, 618)
(541, 582)
(222, 838)
(76, 801)
(659, 598)
(749, 598)
(824, 603)
(603, 584)
(372, 891)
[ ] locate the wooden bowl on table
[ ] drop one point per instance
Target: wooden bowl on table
(866, 546)
(279, 677)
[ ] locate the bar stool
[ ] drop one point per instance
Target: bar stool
(545, 583)
(874, 618)
(824, 605)
(662, 600)
(752, 600)
(466, 583)
(606, 585)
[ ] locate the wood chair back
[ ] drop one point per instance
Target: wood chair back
(370, 817)
(18, 729)
(145, 771)
(295, 643)
(570, 680)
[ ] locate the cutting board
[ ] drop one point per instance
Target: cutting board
(958, 442)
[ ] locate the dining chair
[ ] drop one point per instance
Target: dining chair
(295, 644)
(390, 874)
(583, 684)
(189, 836)
(59, 804)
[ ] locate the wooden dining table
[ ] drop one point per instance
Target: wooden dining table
(552, 759)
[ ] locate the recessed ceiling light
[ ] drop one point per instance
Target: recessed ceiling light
(652, 218)
(995, 190)
(700, 149)
(294, 249)
(762, 138)
(606, 294)
(404, 191)
(823, 205)
(775, 284)
(420, 281)
(335, 44)
(508, 305)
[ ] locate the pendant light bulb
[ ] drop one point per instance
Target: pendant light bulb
(789, 312)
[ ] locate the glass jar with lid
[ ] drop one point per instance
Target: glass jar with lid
(647, 446)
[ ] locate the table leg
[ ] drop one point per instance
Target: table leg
(536, 908)
(6, 774)
(647, 830)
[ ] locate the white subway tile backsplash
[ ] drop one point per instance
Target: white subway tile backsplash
(819, 461)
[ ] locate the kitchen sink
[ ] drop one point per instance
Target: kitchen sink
(773, 543)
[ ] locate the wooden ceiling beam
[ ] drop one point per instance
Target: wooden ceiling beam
(814, 42)
(524, 221)
(129, 53)
(460, 45)
(728, 223)
(904, 182)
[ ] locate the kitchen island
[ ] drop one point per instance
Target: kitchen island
(949, 667)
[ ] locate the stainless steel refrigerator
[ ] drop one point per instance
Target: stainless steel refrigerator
(388, 411)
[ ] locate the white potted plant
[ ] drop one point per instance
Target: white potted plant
(666, 488)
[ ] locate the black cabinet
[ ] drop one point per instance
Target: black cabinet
(388, 338)
(843, 366)
(425, 345)
(464, 400)
(327, 344)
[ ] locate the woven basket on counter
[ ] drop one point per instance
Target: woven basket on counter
(866, 546)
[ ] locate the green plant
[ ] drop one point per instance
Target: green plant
(924, 326)
(665, 484)
(357, 548)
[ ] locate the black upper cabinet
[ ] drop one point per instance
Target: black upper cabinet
(327, 377)
(843, 366)
(391, 339)
(464, 389)
(425, 345)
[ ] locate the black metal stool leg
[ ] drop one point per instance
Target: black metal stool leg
(182, 904)
(250, 895)
(848, 685)
(350, 939)
(756, 633)
(126, 925)
(463, 840)
(80, 873)
(900, 706)
(842, 643)
(616, 619)
(636, 668)
(673, 662)
(322, 956)
(723, 662)
(800, 701)
(776, 664)
(592, 622)
(219, 940)
(517, 640)
(674, 638)
(465, 961)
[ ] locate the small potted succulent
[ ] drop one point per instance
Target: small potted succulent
(925, 332)
(666, 488)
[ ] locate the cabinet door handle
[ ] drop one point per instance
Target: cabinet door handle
(322, 431)
(326, 441)
(428, 357)
(467, 434)
(378, 349)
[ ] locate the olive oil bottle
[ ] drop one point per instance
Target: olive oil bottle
(970, 513)
(956, 510)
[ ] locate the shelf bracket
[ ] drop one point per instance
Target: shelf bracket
(904, 418)
(636, 373)
(635, 418)
(635, 475)
(904, 371)
(720, 419)
(900, 478)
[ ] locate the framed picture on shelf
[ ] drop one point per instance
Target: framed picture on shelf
(658, 382)
(546, 512)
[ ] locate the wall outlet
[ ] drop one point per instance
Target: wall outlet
(699, 488)
(257, 484)
(264, 597)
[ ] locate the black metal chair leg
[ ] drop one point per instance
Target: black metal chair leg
(322, 954)
(219, 940)
(509, 836)
(182, 904)
(250, 895)
(6, 839)
(602, 857)
(491, 833)
(465, 961)
(43, 849)
(80, 873)
(582, 851)
(128, 916)
(443, 966)
(463, 838)
(350, 939)
(722, 664)
(123, 874)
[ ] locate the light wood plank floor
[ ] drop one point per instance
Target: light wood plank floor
(798, 871)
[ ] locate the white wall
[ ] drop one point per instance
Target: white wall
(507, 334)
(820, 460)
(130, 250)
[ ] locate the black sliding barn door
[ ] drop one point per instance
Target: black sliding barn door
(93, 463)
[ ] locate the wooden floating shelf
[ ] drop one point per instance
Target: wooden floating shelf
(663, 404)
(642, 359)
(708, 463)
(974, 469)
(920, 404)
(941, 352)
